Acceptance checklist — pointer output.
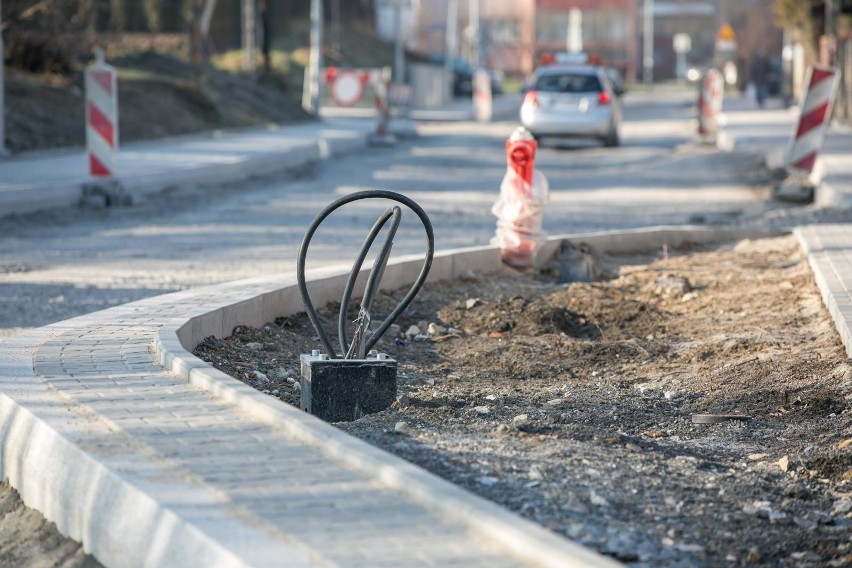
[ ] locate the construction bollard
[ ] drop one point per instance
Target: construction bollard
(101, 117)
(382, 135)
(814, 116)
(482, 107)
(520, 206)
(710, 92)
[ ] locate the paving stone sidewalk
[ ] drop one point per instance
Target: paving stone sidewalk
(147, 469)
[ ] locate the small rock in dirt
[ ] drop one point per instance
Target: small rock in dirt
(757, 457)
(261, 377)
(491, 397)
(806, 556)
(254, 345)
(481, 409)
(688, 297)
(672, 285)
(454, 331)
(275, 392)
(535, 473)
(401, 428)
(291, 380)
(670, 395)
(784, 463)
(487, 480)
(297, 386)
(520, 420)
(597, 500)
(753, 555)
(691, 548)
(394, 330)
(471, 303)
(555, 402)
(412, 331)
(804, 523)
(841, 507)
(467, 275)
(422, 337)
(845, 444)
(435, 329)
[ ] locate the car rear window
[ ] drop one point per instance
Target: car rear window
(568, 83)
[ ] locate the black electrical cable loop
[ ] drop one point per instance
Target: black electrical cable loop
(418, 283)
(395, 214)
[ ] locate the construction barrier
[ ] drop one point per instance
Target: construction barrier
(520, 207)
(351, 88)
(814, 116)
(710, 91)
(101, 117)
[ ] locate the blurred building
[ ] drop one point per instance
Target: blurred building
(514, 34)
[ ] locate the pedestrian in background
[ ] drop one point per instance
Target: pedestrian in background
(759, 76)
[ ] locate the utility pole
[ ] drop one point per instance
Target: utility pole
(475, 44)
(450, 40)
(648, 43)
(249, 40)
(311, 90)
(2, 91)
(398, 63)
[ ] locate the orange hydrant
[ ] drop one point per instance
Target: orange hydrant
(520, 206)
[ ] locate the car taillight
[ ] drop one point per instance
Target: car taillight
(604, 98)
(531, 98)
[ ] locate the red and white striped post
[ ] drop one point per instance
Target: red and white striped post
(814, 116)
(482, 108)
(709, 106)
(101, 117)
(381, 86)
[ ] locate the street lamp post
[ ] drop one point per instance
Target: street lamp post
(648, 43)
(398, 62)
(450, 40)
(311, 90)
(2, 91)
(475, 47)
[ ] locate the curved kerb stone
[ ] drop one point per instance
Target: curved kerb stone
(113, 430)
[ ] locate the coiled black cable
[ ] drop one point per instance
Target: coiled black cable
(361, 344)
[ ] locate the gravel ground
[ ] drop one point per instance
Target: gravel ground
(574, 404)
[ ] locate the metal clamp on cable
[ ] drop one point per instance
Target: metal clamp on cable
(360, 380)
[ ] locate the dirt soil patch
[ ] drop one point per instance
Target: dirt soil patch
(573, 404)
(157, 99)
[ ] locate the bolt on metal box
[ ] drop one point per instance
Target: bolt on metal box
(338, 390)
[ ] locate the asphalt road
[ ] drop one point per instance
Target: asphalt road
(57, 265)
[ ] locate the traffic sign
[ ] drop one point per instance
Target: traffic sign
(726, 33)
(682, 43)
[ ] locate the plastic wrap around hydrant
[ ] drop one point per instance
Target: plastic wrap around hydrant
(520, 207)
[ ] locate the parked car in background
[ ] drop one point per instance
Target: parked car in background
(616, 80)
(572, 101)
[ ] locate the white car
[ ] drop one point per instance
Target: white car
(572, 101)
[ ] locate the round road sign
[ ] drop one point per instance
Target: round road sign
(347, 88)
